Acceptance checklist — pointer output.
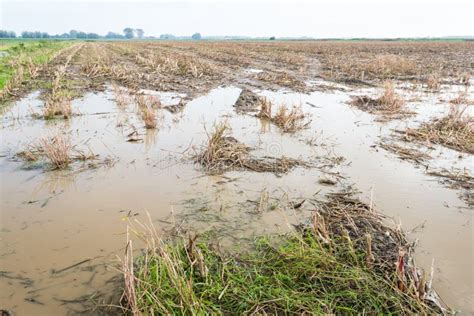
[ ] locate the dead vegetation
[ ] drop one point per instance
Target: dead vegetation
(455, 131)
(433, 82)
(369, 63)
(282, 79)
(58, 152)
(385, 66)
(223, 152)
(122, 98)
(459, 180)
(149, 117)
(405, 153)
(265, 109)
(57, 149)
(288, 120)
(388, 103)
(148, 106)
(461, 98)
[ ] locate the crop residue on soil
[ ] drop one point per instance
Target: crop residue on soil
(63, 225)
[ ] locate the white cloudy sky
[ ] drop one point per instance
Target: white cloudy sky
(316, 18)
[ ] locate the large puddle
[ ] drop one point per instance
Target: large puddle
(53, 220)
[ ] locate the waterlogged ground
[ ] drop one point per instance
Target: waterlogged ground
(61, 231)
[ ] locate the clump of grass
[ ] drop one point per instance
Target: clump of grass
(53, 109)
(222, 152)
(464, 79)
(434, 82)
(121, 97)
(265, 109)
(149, 117)
(346, 262)
(289, 121)
(388, 103)
(57, 149)
(145, 101)
(455, 130)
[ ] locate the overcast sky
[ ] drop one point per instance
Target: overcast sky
(315, 18)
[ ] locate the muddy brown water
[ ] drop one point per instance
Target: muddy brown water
(52, 220)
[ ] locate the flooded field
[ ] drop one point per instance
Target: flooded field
(63, 230)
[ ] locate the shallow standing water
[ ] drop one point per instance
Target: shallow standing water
(52, 220)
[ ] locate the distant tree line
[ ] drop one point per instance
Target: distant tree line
(127, 33)
(7, 34)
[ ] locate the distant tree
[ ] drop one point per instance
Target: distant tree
(73, 34)
(196, 36)
(112, 35)
(81, 35)
(3, 34)
(272, 38)
(37, 34)
(128, 32)
(92, 36)
(7, 34)
(44, 35)
(167, 36)
(65, 35)
(140, 33)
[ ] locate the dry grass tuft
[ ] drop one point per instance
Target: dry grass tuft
(57, 149)
(389, 100)
(455, 130)
(121, 97)
(388, 103)
(53, 109)
(290, 121)
(222, 152)
(265, 109)
(149, 116)
(464, 79)
(144, 101)
(434, 82)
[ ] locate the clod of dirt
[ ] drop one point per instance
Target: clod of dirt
(248, 101)
(176, 107)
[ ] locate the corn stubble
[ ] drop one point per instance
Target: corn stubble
(223, 152)
(455, 130)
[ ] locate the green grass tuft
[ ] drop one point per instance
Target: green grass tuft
(295, 273)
